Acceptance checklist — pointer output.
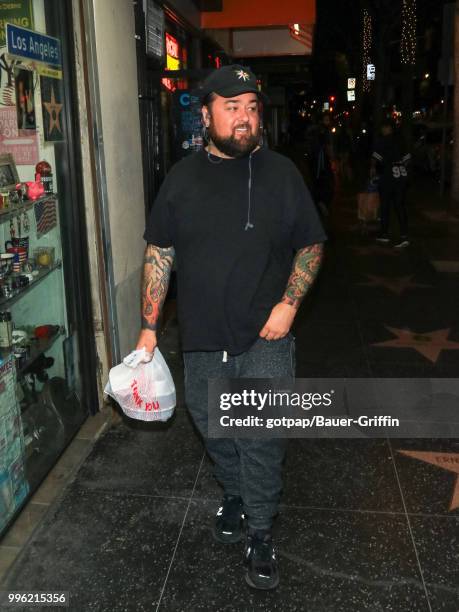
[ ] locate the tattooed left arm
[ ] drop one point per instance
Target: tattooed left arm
(304, 271)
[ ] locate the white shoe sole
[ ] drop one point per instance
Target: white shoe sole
(267, 587)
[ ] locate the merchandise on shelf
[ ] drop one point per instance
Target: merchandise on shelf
(6, 329)
(43, 169)
(14, 486)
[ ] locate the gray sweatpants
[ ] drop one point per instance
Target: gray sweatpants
(250, 468)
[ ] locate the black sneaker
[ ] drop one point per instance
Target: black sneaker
(383, 239)
(403, 243)
(260, 560)
(229, 520)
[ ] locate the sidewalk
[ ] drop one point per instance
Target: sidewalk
(363, 525)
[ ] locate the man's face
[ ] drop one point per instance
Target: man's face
(234, 124)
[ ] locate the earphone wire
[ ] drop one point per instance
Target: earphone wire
(249, 224)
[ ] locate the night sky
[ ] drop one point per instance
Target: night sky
(339, 31)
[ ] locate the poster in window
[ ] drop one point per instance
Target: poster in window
(19, 12)
(186, 111)
(25, 99)
(52, 106)
(22, 144)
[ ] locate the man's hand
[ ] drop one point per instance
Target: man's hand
(279, 323)
(147, 339)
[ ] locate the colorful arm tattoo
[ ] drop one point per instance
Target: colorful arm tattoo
(304, 270)
(156, 273)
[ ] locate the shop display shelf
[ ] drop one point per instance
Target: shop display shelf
(18, 293)
(38, 347)
(9, 213)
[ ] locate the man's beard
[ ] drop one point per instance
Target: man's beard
(232, 146)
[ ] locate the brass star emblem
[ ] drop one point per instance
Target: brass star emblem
(395, 284)
(53, 109)
(446, 461)
(242, 74)
(429, 344)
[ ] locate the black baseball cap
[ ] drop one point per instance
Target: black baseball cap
(229, 81)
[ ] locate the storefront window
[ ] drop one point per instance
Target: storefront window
(41, 382)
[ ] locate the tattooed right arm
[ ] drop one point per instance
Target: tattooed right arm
(156, 274)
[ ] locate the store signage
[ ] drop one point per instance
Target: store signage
(154, 26)
(187, 123)
(31, 45)
(351, 83)
(172, 46)
(172, 59)
(351, 95)
(371, 72)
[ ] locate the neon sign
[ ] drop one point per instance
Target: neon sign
(172, 60)
(172, 46)
(176, 58)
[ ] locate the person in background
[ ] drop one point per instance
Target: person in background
(390, 161)
(344, 148)
(322, 158)
(240, 222)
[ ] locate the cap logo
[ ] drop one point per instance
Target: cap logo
(241, 74)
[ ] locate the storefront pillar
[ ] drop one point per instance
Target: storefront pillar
(117, 201)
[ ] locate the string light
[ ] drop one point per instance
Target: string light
(408, 42)
(367, 42)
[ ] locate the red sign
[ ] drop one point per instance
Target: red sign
(22, 144)
(172, 46)
(176, 58)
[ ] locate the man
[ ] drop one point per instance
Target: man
(321, 151)
(232, 216)
(390, 160)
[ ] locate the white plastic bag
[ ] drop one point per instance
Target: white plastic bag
(143, 387)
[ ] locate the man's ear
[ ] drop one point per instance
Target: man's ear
(206, 116)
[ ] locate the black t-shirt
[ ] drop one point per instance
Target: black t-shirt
(228, 277)
(393, 160)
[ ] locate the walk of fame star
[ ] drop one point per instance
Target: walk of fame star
(429, 344)
(376, 250)
(446, 461)
(397, 284)
(53, 109)
(440, 215)
(446, 266)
